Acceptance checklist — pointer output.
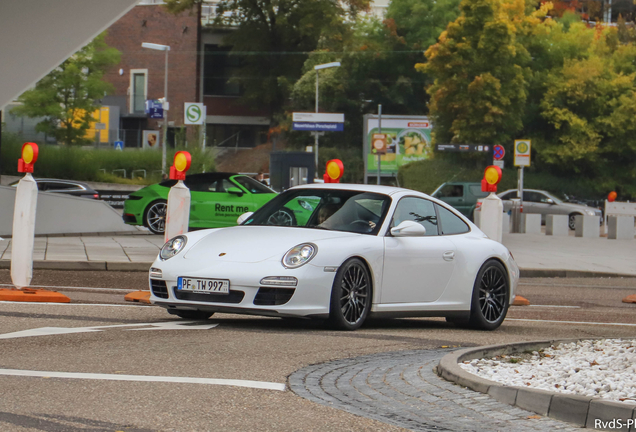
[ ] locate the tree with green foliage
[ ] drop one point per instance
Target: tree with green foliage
(480, 70)
(68, 95)
(377, 67)
(273, 39)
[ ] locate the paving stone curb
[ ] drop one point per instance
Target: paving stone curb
(583, 411)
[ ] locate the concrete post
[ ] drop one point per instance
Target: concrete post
(587, 226)
(533, 224)
(620, 227)
(557, 225)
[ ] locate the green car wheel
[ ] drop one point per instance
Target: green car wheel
(155, 216)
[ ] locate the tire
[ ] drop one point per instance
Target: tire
(491, 293)
(571, 221)
(283, 217)
(192, 314)
(155, 216)
(350, 296)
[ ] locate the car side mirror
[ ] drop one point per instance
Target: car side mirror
(242, 218)
(235, 191)
(550, 201)
(408, 229)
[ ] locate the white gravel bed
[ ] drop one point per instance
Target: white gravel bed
(603, 368)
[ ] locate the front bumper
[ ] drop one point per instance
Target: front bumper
(310, 298)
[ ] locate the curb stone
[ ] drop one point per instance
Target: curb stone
(580, 410)
(85, 265)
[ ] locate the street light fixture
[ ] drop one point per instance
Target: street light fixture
(164, 142)
(317, 68)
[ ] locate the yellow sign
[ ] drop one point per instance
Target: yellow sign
(180, 161)
(522, 153)
(27, 154)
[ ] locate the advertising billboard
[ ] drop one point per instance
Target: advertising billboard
(408, 139)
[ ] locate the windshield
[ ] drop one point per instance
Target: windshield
(254, 186)
(336, 210)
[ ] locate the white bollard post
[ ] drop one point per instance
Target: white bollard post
(491, 219)
(178, 211)
(178, 208)
(23, 234)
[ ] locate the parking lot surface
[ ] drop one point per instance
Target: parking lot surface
(118, 357)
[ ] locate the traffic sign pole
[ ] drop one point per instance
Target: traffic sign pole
(379, 131)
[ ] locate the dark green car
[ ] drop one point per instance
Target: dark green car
(462, 196)
(217, 200)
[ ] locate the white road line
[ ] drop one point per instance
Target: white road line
(575, 286)
(556, 306)
(169, 325)
(144, 378)
(73, 304)
(75, 287)
(572, 322)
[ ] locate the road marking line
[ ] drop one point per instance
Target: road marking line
(144, 378)
(572, 322)
(169, 325)
(556, 306)
(575, 286)
(75, 287)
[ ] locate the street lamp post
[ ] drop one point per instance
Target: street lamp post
(164, 141)
(317, 68)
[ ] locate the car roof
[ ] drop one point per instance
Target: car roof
(387, 190)
(211, 176)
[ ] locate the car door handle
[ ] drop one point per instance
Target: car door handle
(449, 256)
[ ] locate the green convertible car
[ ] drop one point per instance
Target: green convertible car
(217, 200)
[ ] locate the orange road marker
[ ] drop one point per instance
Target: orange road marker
(520, 301)
(630, 299)
(32, 295)
(138, 296)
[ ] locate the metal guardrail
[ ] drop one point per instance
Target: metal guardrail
(119, 170)
(132, 174)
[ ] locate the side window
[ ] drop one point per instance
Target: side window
(532, 197)
(450, 223)
(200, 186)
(451, 191)
(509, 195)
(418, 210)
(62, 186)
(476, 191)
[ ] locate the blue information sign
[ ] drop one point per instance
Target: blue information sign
(318, 126)
(119, 145)
(154, 108)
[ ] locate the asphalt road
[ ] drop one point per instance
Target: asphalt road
(135, 340)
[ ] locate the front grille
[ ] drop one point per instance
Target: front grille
(159, 288)
(232, 297)
(273, 296)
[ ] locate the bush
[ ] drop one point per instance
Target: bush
(90, 164)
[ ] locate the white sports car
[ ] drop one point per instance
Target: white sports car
(340, 252)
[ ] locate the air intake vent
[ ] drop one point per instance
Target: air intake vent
(273, 296)
(232, 297)
(159, 288)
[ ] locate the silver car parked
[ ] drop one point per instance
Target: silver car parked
(544, 203)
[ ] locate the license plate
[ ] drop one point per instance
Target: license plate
(213, 286)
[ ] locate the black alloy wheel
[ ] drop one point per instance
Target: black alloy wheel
(283, 217)
(572, 221)
(350, 296)
(155, 216)
(490, 299)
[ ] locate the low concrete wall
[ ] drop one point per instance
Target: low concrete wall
(61, 214)
(533, 224)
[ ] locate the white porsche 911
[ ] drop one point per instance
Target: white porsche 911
(340, 252)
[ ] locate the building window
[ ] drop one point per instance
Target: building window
(219, 65)
(241, 136)
(138, 90)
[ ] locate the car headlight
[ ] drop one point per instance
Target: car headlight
(592, 213)
(172, 247)
(299, 255)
